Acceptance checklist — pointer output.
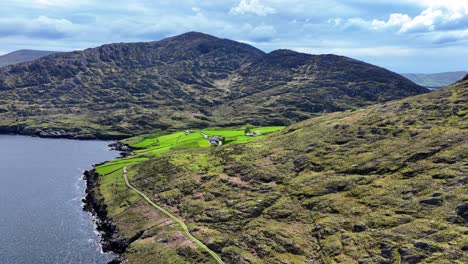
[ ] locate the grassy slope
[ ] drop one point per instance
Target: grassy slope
(377, 185)
(132, 214)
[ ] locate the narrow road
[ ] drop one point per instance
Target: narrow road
(177, 220)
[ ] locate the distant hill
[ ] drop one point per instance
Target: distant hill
(191, 80)
(435, 80)
(22, 56)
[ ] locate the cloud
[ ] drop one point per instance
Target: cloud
(394, 21)
(260, 33)
(40, 27)
(52, 2)
(252, 6)
(438, 15)
(392, 33)
(44, 4)
(169, 25)
(451, 37)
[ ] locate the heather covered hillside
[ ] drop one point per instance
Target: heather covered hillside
(234, 132)
(383, 184)
(191, 80)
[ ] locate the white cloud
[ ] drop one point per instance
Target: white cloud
(451, 36)
(437, 15)
(251, 34)
(42, 27)
(252, 6)
(259, 33)
(397, 31)
(57, 3)
(57, 24)
(394, 21)
(169, 25)
(47, 2)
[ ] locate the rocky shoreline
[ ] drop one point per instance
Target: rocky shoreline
(124, 149)
(111, 241)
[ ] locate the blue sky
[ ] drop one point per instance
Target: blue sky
(404, 36)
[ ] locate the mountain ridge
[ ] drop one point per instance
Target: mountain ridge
(190, 80)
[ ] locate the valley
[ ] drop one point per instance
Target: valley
(436, 80)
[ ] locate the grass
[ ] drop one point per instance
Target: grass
(356, 186)
(158, 144)
(376, 185)
(175, 219)
(116, 165)
(115, 194)
(155, 144)
(124, 206)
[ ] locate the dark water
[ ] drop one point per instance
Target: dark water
(41, 218)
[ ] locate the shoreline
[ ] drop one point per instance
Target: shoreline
(110, 240)
(61, 134)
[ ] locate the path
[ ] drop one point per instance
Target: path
(177, 220)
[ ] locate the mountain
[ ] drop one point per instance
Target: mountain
(19, 56)
(435, 80)
(191, 80)
(382, 184)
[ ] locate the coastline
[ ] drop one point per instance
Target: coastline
(93, 203)
(26, 131)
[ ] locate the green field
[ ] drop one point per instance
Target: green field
(156, 144)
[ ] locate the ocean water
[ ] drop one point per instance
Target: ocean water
(41, 187)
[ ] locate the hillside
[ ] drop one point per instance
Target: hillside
(435, 80)
(191, 80)
(19, 56)
(383, 184)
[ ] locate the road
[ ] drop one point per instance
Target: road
(177, 220)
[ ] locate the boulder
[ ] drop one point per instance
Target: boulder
(425, 246)
(410, 256)
(462, 210)
(437, 201)
(359, 228)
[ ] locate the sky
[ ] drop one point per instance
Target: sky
(417, 36)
